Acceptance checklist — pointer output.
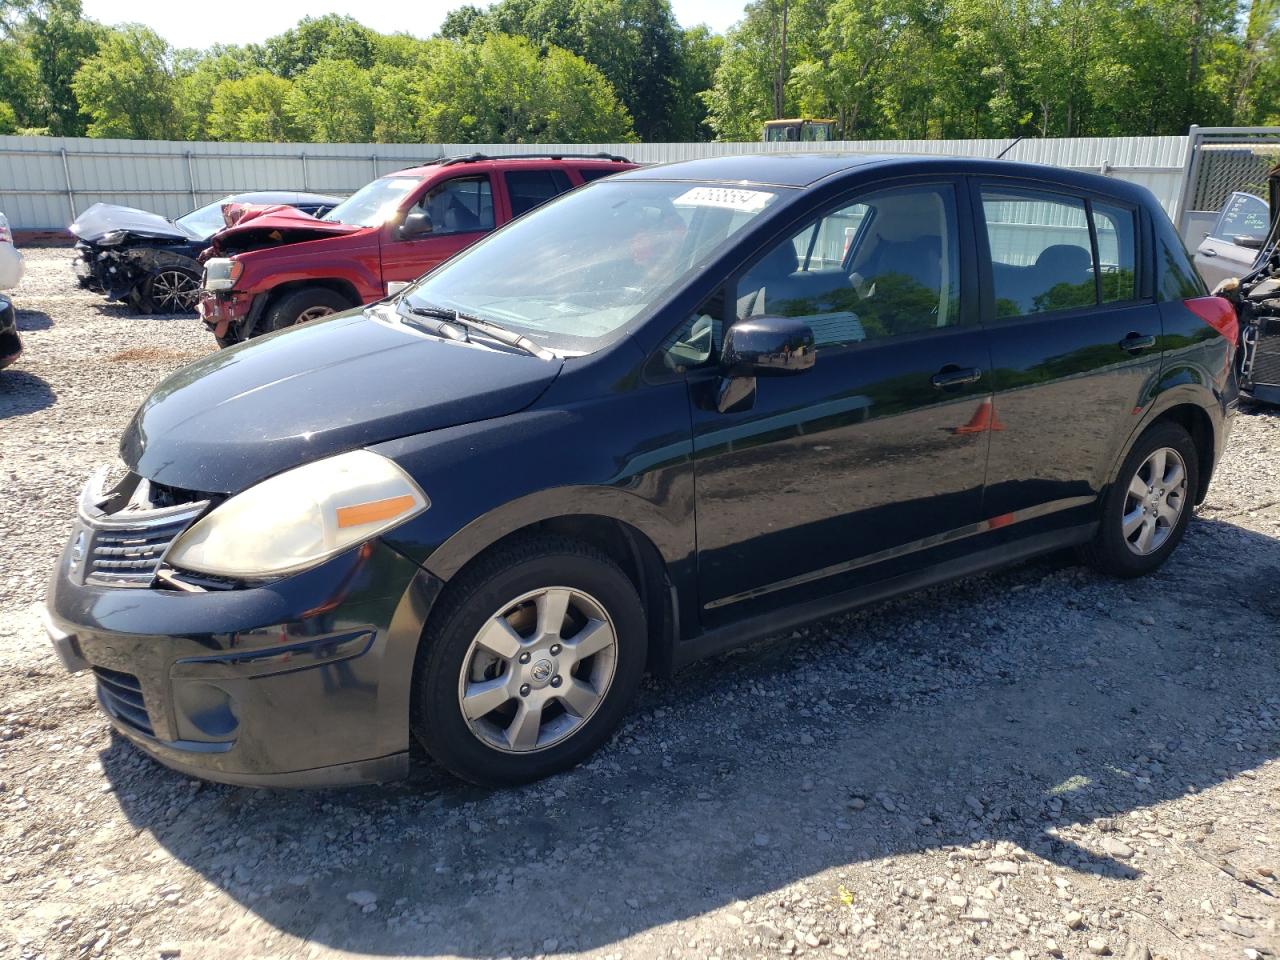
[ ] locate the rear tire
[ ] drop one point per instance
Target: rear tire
(1146, 510)
(545, 641)
(311, 303)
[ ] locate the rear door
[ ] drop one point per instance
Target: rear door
(460, 210)
(1074, 341)
(867, 464)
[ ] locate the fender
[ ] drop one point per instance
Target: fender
(1185, 384)
(353, 258)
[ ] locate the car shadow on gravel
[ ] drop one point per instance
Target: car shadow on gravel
(22, 393)
(33, 320)
(1001, 708)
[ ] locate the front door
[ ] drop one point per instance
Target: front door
(860, 467)
(1075, 336)
(450, 216)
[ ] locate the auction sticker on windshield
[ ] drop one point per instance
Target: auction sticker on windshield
(731, 198)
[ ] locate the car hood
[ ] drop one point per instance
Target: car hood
(243, 414)
(103, 218)
(287, 225)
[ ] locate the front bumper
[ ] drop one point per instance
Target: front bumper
(301, 682)
(226, 314)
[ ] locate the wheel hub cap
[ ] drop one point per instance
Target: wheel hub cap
(1154, 501)
(537, 670)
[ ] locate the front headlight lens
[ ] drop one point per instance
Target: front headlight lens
(221, 273)
(113, 239)
(299, 518)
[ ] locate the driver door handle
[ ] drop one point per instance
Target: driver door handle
(951, 376)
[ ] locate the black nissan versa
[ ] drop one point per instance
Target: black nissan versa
(660, 416)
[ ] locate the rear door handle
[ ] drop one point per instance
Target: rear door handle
(953, 376)
(1137, 341)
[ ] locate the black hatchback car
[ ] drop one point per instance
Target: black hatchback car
(661, 416)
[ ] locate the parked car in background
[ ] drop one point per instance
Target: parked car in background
(11, 266)
(10, 341)
(657, 418)
(1256, 296)
(282, 269)
(11, 269)
(150, 261)
(1232, 245)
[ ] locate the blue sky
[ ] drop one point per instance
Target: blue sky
(241, 21)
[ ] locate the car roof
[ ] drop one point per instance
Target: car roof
(280, 196)
(800, 170)
(514, 160)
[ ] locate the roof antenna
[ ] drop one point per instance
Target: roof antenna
(1018, 140)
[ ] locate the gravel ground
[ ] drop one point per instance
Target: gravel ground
(1038, 763)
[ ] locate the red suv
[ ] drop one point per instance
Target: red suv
(285, 268)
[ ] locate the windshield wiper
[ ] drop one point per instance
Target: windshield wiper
(491, 330)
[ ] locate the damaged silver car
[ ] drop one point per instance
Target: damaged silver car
(151, 262)
(1257, 299)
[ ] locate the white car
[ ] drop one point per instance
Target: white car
(10, 258)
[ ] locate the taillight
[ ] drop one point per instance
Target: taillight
(5, 235)
(1219, 313)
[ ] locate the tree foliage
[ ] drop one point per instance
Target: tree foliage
(127, 88)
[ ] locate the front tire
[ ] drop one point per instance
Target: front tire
(1146, 511)
(530, 663)
(171, 288)
(301, 306)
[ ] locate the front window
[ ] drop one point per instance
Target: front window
(572, 274)
(1243, 215)
(204, 222)
(374, 203)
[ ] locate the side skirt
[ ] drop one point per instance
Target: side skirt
(743, 632)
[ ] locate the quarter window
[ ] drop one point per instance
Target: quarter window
(885, 266)
(532, 188)
(1041, 253)
(1114, 229)
(460, 205)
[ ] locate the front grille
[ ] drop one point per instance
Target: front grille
(1266, 359)
(121, 696)
(122, 556)
(128, 526)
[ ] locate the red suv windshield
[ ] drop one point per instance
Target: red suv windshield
(373, 203)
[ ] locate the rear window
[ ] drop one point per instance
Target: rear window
(595, 173)
(1041, 253)
(532, 188)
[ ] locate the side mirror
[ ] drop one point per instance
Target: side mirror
(415, 224)
(1253, 243)
(767, 347)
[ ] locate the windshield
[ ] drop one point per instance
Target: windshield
(373, 203)
(205, 222)
(571, 275)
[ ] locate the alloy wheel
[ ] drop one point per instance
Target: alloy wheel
(314, 313)
(538, 669)
(1155, 499)
(174, 291)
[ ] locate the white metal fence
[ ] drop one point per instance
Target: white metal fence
(46, 181)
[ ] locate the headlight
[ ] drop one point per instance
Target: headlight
(299, 518)
(112, 239)
(221, 273)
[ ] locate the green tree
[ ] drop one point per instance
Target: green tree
(59, 40)
(332, 102)
(200, 75)
(501, 91)
(252, 108)
(314, 39)
(127, 88)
